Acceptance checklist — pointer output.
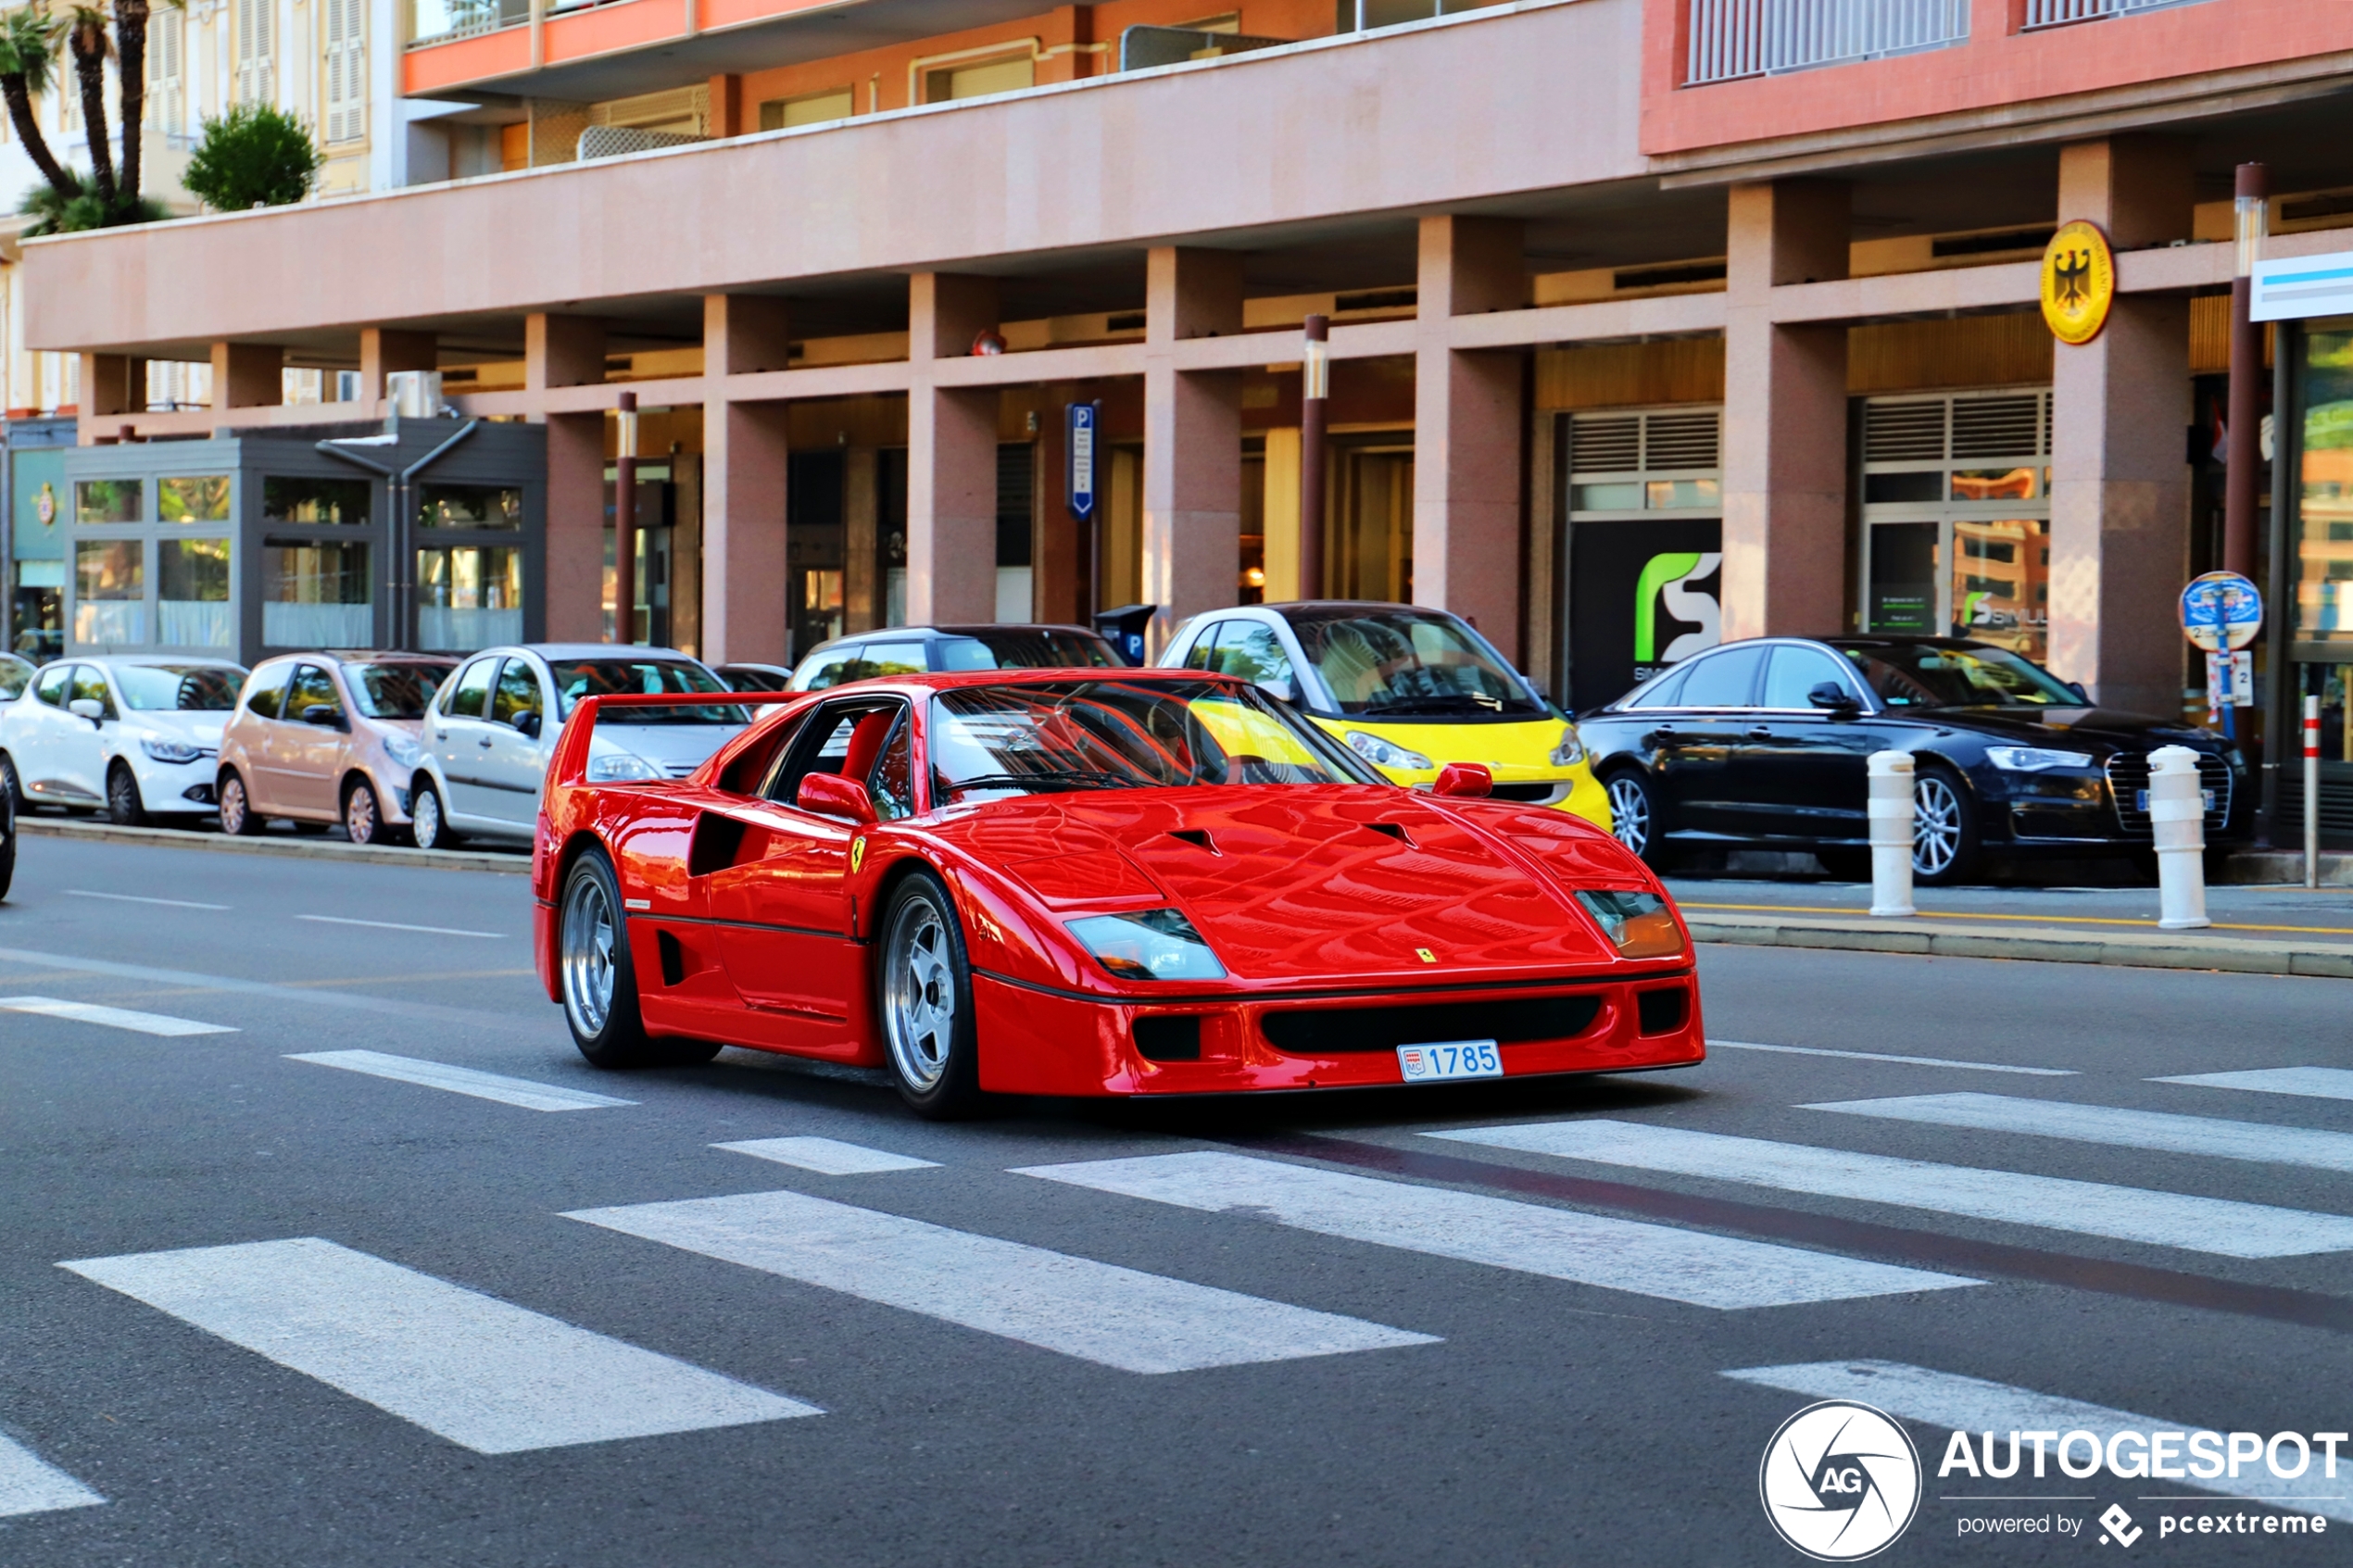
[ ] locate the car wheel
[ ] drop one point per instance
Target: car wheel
(926, 1001)
(427, 827)
(238, 816)
(1944, 841)
(125, 807)
(362, 823)
(11, 785)
(1633, 815)
(592, 959)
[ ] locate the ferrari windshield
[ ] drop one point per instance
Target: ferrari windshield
(1383, 663)
(1926, 675)
(986, 742)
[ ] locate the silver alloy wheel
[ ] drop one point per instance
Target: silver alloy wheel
(919, 993)
(1936, 825)
(1629, 813)
(359, 815)
(587, 957)
(425, 820)
(233, 806)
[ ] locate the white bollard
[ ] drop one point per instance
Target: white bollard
(2177, 813)
(1891, 808)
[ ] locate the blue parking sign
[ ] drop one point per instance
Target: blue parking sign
(2222, 610)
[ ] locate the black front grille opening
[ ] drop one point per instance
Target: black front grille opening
(1535, 792)
(673, 957)
(1329, 1031)
(1391, 830)
(1662, 1011)
(1198, 837)
(1168, 1037)
(2128, 774)
(202, 793)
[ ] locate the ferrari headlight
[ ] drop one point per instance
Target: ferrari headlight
(615, 766)
(169, 750)
(1639, 924)
(1148, 945)
(1571, 750)
(403, 751)
(2034, 759)
(1382, 753)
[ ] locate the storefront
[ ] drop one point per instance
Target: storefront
(2312, 581)
(36, 528)
(1645, 524)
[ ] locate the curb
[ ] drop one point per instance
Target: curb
(299, 849)
(2040, 944)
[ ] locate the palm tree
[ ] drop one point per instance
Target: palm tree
(86, 36)
(28, 54)
(131, 85)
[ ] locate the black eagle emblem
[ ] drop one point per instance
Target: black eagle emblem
(2072, 276)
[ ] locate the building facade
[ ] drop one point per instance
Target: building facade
(1653, 322)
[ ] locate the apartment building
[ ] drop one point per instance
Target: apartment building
(1725, 307)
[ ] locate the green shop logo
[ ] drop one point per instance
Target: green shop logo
(1665, 584)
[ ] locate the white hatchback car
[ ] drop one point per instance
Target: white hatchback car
(138, 736)
(492, 730)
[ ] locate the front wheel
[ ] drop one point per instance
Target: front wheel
(926, 1002)
(427, 826)
(11, 783)
(362, 823)
(1945, 836)
(237, 817)
(1633, 815)
(125, 807)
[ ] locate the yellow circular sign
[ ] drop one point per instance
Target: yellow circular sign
(2079, 281)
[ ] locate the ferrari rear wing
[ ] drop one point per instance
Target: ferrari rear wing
(570, 764)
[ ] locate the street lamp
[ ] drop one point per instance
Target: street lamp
(1314, 388)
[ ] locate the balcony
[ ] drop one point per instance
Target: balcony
(1734, 39)
(2059, 13)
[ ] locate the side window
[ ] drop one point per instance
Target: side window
(268, 690)
(744, 772)
(1796, 671)
(90, 684)
(1725, 678)
(893, 781)
(1204, 645)
(1251, 650)
(846, 739)
(516, 694)
(1664, 692)
(51, 687)
(889, 658)
(833, 670)
(466, 695)
(313, 687)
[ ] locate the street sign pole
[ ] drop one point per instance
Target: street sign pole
(1081, 426)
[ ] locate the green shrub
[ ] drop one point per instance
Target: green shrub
(55, 214)
(256, 155)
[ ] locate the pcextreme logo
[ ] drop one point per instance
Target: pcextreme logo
(1840, 1481)
(1664, 584)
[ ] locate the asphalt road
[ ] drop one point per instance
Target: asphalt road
(1323, 1335)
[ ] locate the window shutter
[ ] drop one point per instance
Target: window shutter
(256, 51)
(164, 88)
(346, 70)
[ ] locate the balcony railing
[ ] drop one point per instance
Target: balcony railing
(2058, 13)
(1732, 39)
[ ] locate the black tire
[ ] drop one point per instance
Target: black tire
(1846, 865)
(12, 786)
(1945, 845)
(124, 808)
(599, 983)
(8, 844)
(363, 821)
(238, 818)
(1633, 816)
(429, 821)
(920, 970)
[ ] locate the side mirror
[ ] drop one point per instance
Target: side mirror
(527, 723)
(1468, 780)
(1836, 698)
(2076, 687)
(830, 795)
(88, 708)
(1280, 688)
(326, 715)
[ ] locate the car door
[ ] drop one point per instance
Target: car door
(1802, 769)
(514, 763)
(80, 760)
(1694, 741)
(303, 759)
(264, 698)
(459, 734)
(37, 730)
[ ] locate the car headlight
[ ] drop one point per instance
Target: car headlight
(1571, 750)
(1639, 924)
(403, 751)
(1382, 753)
(1148, 945)
(171, 750)
(2034, 759)
(612, 767)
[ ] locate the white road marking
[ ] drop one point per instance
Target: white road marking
(2256, 1141)
(1975, 1406)
(134, 899)
(1629, 1255)
(113, 1018)
(827, 1157)
(30, 1485)
(1096, 1311)
(395, 925)
(1906, 1060)
(483, 1373)
(2165, 1219)
(2309, 1083)
(462, 1080)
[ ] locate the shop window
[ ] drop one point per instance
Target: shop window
(469, 597)
(808, 108)
(316, 595)
(191, 594)
(193, 500)
(109, 592)
(346, 501)
(470, 505)
(1009, 74)
(108, 500)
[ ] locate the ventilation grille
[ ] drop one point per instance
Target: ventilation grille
(1896, 432)
(1611, 444)
(1997, 427)
(1645, 443)
(1679, 440)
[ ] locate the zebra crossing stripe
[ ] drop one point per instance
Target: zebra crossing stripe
(2161, 1131)
(30, 1485)
(1099, 1312)
(483, 1373)
(2310, 1082)
(827, 1157)
(1629, 1255)
(1973, 1405)
(2165, 1219)
(112, 1018)
(462, 1080)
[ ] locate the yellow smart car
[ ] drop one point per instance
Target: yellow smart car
(1407, 689)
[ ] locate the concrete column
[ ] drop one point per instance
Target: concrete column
(2119, 480)
(112, 385)
(562, 351)
(1058, 554)
(1466, 418)
(382, 352)
(862, 585)
(1784, 416)
(952, 458)
(247, 375)
(744, 475)
(570, 351)
(1281, 479)
(1192, 439)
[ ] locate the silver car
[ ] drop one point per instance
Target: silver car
(489, 734)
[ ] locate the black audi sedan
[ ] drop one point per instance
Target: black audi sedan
(1765, 744)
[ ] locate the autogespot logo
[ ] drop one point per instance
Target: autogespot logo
(1840, 1481)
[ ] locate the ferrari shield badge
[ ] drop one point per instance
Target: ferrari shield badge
(857, 855)
(1424, 955)
(2079, 282)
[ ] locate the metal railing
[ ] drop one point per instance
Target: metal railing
(2058, 13)
(1732, 39)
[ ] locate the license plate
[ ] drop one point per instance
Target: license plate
(2141, 800)
(1450, 1058)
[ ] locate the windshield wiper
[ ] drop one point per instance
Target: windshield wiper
(1083, 778)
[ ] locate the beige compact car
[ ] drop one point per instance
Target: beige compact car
(328, 737)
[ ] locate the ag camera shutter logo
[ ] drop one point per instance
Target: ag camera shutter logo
(1840, 1481)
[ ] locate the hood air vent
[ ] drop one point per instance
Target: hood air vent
(1197, 837)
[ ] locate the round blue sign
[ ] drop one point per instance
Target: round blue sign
(2222, 610)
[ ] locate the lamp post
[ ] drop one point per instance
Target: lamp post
(2241, 483)
(1314, 387)
(625, 524)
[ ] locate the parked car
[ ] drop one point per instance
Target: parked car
(755, 677)
(914, 650)
(1407, 689)
(15, 675)
(490, 734)
(136, 736)
(326, 737)
(1088, 882)
(1764, 743)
